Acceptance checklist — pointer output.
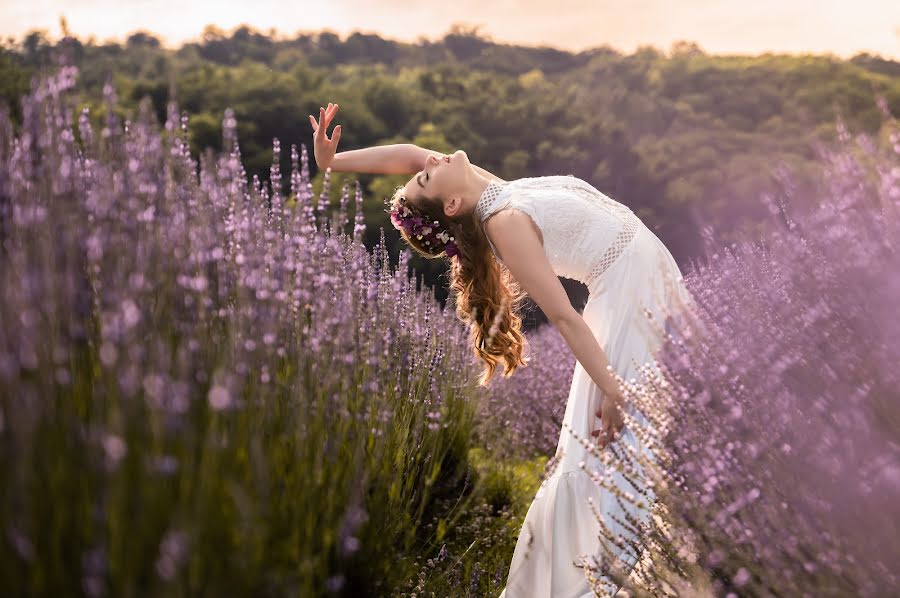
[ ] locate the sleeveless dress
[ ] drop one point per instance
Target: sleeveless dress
(594, 239)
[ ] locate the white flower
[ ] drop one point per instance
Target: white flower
(219, 398)
(115, 448)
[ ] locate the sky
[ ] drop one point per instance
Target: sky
(839, 27)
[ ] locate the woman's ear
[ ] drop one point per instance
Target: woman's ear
(452, 206)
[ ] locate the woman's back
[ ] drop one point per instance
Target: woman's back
(584, 231)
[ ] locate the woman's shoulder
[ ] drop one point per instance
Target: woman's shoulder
(543, 179)
(537, 183)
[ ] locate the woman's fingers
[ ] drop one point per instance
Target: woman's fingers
(317, 125)
(329, 113)
(603, 437)
(325, 116)
(607, 434)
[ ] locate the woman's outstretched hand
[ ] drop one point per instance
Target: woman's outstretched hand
(611, 418)
(324, 148)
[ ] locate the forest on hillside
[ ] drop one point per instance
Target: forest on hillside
(211, 388)
(688, 140)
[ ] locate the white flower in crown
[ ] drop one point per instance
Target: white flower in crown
(443, 236)
(426, 230)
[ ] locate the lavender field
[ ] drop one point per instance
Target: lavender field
(210, 387)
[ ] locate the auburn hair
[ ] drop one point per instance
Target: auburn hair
(487, 296)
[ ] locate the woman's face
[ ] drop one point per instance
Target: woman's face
(442, 177)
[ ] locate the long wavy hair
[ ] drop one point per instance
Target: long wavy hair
(487, 297)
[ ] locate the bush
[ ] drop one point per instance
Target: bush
(207, 387)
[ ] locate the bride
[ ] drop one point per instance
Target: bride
(506, 239)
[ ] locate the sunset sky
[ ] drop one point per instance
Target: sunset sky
(840, 27)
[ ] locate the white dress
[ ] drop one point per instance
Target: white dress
(592, 238)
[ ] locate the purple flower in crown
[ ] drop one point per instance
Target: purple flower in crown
(431, 234)
(450, 249)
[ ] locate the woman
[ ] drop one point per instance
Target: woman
(506, 237)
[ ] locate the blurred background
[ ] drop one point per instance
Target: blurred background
(679, 111)
(720, 27)
(222, 372)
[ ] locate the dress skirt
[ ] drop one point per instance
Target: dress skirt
(561, 527)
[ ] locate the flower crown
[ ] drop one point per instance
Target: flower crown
(432, 235)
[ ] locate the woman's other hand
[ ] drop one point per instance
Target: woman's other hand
(324, 148)
(611, 419)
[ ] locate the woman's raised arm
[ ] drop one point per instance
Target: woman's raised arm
(395, 158)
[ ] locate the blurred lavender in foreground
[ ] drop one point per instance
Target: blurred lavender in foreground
(521, 416)
(203, 382)
(780, 406)
(777, 415)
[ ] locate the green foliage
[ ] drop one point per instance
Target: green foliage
(680, 137)
(474, 539)
(508, 484)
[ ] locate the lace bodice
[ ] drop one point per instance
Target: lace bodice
(584, 230)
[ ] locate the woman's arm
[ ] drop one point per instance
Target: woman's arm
(587, 351)
(590, 355)
(395, 158)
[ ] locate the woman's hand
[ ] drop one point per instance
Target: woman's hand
(324, 148)
(611, 418)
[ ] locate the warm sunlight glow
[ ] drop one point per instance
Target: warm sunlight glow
(725, 26)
